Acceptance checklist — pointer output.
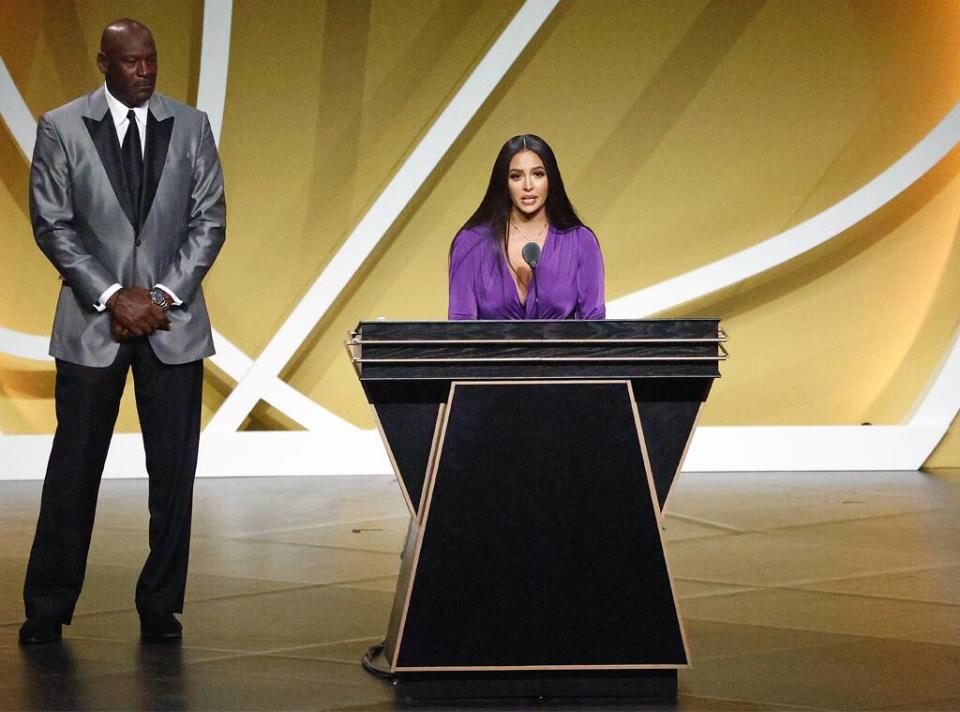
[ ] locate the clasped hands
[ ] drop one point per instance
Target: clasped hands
(133, 314)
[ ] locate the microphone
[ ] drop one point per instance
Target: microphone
(531, 255)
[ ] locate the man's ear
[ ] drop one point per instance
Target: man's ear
(102, 62)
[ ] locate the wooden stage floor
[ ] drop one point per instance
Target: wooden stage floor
(798, 591)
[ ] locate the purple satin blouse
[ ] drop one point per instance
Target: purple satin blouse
(569, 278)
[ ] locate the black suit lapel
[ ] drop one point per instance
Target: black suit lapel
(158, 140)
(104, 136)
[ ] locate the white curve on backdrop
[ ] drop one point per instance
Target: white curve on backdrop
(211, 95)
(16, 115)
(214, 62)
(714, 448)
(26, 346)
(20, 122)
(937, 407)
(211, 98)
(799, 238)
(389, 204)
(22, 126)
(940, 402)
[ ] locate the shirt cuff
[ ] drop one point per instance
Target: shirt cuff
(107, 293)
(176, 300)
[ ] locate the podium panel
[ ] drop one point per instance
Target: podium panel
(540, 542)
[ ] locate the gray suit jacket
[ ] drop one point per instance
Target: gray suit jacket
(84, 222)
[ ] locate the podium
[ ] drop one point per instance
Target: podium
(536, 459)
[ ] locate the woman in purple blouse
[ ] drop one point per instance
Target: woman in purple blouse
(525, 203)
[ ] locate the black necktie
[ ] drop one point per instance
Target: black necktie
(132, 156)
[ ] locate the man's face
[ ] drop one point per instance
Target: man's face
(128, 61)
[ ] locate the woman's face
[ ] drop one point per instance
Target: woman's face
(527, 180)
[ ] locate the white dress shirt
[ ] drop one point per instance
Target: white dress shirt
(119, 110)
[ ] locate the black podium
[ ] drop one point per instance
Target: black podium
(536, 458)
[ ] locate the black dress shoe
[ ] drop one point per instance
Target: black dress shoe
(36, 631)
(160, 627)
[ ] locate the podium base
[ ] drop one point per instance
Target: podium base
(582, 684)
(525, 684)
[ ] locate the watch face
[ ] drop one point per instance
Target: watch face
(157, 297)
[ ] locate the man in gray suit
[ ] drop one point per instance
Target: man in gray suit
(126, 200)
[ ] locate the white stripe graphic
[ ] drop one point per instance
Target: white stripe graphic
(15, 114)
(714, 448)
(381, 215)
(798, 239)
(214, 61)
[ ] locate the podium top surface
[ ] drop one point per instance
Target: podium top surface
(511, 329)
(518, 349)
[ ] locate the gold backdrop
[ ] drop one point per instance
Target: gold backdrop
(686, 130)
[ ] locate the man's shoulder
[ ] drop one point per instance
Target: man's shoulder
(72, 109)
(94, 105)
(161, 104)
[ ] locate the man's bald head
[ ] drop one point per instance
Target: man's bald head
(128, 61)
(117, 30)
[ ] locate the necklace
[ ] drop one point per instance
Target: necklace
(540, 233)
(539, 240)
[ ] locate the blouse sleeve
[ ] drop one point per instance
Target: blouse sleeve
(463, 270)
(590, 299)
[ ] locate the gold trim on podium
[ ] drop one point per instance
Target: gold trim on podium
(416, 513)
(427, 498)
(552, 359)
(683, 455)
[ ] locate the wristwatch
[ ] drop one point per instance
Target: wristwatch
(159, 297)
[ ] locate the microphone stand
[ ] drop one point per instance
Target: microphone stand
(536, 294)
(531, 255)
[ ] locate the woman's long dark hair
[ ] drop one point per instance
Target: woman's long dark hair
(495, 207)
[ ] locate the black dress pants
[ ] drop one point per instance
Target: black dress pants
(87, 402)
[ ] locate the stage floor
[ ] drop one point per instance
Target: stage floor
(797, 591)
